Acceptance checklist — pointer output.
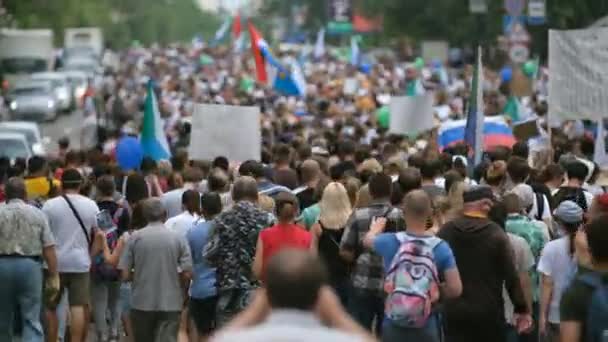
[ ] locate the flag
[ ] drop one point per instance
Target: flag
(599, 152)
(320, 44)
(514, 109)
(221, 33)
(153, 139)
(474, 130)
(495, 132)
(290, 82)
(258, 48)
(354, 50)
(237, 34)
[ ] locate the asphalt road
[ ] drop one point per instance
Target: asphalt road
(65, 125)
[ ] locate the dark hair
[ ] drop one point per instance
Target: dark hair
(136, 188)
(292, 269)
(498, 214)
(221, 162)
(217, 180)
(211, 204)
(409, 179)
(15, 188)
(137, 217)
(518, 169)
(597, 237)
(346, 148)
(258, 171)
(191, 199)
(286, 206)
(521, 149)
(35, 164)
(148, 165)
(245, 188)
(282, 153)
(380, 186)
(577, 170)
(362, 153)
(430, 168)
(73, 157)
(246, 168)
(512, 203)
(106, 185)
(71, 179)
(415, 160)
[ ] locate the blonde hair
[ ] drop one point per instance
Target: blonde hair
(335, 206)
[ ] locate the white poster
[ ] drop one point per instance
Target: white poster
(350, 86)
(411, 115)
(578, 73)
(229, 131)
(435, 49)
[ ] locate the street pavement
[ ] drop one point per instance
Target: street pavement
(65, 125)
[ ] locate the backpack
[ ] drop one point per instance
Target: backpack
(597, 316)
(576, 195)
(412, 282)
(540, 206)
(100, 269)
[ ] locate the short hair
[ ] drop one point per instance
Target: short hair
(15, 189)
(246, 168)
(347, 148)
(148, 165)
(409, 179)
(258, 171)
(153, 210)
(521, 149)
(380, 186)
(217, 180)
(282, 153)
(191, 197)
(518, 169)
(221, 162)
(106, 185)
(597, 237)
(417, 203)
(35, 164)
(512, 203)
(73, 157)
(430, 168)
(293, 269)
(136, 188)
(211, 204)
(245, 188)
(577, 170)
(192, 174)
(310, 170)
(71, 179)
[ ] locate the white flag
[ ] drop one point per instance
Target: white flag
(320, 44)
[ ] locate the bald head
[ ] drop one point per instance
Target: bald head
(310, 170)
(15, 189)
(294, 269)
(417, 204)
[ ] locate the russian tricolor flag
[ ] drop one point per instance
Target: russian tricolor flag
(496, 132)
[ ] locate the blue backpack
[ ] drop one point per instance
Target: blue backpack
(597, 319)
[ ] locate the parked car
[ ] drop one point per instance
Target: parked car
(13, 146)
(88, 65)
(78, 81)
(32, 100)
(61, 87)
(32, 134)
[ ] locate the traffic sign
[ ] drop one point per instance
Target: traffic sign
(515, 7)
(519, 53)
(537, 12)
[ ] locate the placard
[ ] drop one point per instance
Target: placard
(411, 115)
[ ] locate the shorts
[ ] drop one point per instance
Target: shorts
(77, 285)
(202, 312)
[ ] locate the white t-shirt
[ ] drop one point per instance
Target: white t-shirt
(181, 223)
(172, 200)
(557, 263)
(71, 244)
(546, 214)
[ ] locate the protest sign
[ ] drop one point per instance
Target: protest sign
(525, 130)
(411, 115)
(350, 86)
(230, 131)
(435, 49)
(578, 69)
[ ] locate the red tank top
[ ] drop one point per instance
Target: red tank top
(282, 236)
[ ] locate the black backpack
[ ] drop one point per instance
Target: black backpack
(576, 195)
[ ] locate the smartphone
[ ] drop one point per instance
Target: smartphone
(104, 221)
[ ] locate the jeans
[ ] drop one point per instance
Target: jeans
(367, 309)
(106, 307)
(430, 333)
(150, 326)
(20, 285)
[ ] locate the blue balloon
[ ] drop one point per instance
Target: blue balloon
(129, 153)
(436, 63)
(365, 68)
(506, 74)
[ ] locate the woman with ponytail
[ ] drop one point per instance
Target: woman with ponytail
(285, 234)
(557, 266)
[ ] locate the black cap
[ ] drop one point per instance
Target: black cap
(478, 193)
(71, 176)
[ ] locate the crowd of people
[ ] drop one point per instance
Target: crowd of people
(339, 232)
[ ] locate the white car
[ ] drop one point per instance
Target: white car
(13, 146)
(78, 81)
(61, 88)
(31, 131)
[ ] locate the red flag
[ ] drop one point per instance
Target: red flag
(260, 63)
(236, 26)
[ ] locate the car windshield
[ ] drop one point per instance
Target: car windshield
(28, 133)
(23, 65)
(12, 148)
(29, 91)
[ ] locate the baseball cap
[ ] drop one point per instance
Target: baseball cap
(569, 212)
(478, 193)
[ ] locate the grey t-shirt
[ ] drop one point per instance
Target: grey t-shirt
(524, 261)
(157, 256)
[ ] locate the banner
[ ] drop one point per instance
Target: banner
(578, 69)
(340, 16)
(435, 49)
(411, 115)
(229, 131)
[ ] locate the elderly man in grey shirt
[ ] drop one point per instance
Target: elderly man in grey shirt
(158, 262)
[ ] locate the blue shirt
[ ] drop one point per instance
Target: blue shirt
(203, 277)
(387, 245)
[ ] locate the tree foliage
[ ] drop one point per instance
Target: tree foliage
(121, 20)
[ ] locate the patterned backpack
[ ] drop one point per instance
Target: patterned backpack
(412, 282)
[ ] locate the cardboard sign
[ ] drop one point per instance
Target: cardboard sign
(411, 115)
(525, 130)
